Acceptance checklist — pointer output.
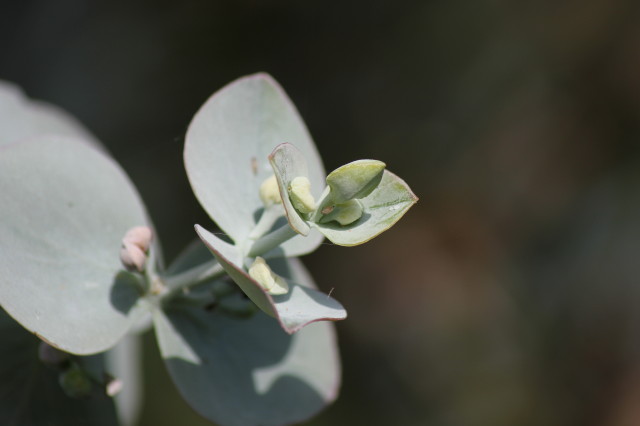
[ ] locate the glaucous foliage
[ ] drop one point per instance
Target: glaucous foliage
(245, 334)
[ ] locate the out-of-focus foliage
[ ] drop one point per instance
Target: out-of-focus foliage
(509, 297)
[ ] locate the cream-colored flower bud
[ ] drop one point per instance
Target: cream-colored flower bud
(269, 280)
(300, 194)
(135, 245)
(269, 192)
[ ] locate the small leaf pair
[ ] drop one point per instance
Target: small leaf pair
(361, 199)
(72, 221)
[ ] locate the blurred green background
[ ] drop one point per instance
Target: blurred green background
(508, 295)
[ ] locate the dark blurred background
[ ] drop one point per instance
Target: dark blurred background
(508, 295)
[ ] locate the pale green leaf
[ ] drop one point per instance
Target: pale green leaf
(354, 180)
(391, 199)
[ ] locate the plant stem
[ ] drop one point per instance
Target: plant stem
(267, 219)
(271, 240)
(191, 277)
(324, 200)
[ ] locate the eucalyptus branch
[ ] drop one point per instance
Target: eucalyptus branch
(271, 240)
(267, 219)
(190, 278)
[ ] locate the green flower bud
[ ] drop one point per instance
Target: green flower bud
(270, 281)
(300, 195)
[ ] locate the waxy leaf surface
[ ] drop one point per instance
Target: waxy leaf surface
(382, 209)
(302, 305)
(355, 180)
(226, 154)
(249, 372)
(23, 119)
(65, 208)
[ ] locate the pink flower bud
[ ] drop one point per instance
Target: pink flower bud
(135, 245)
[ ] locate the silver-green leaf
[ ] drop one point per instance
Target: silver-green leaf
(226, 154)
(65, 208)
(301, 306)
(22, 118)
(249, 372)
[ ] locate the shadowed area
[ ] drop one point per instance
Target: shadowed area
(125, 291)
(30, 393)
(246, 371)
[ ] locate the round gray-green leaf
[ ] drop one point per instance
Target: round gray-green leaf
(246, 372)
(382, 208)
(226, 154)
(301, 306)
(65, 208)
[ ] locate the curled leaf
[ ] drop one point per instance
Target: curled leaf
(354, 180)
(289, 164)
(381, 209)
(300, 306)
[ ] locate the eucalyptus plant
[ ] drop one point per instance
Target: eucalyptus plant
(244, 332)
